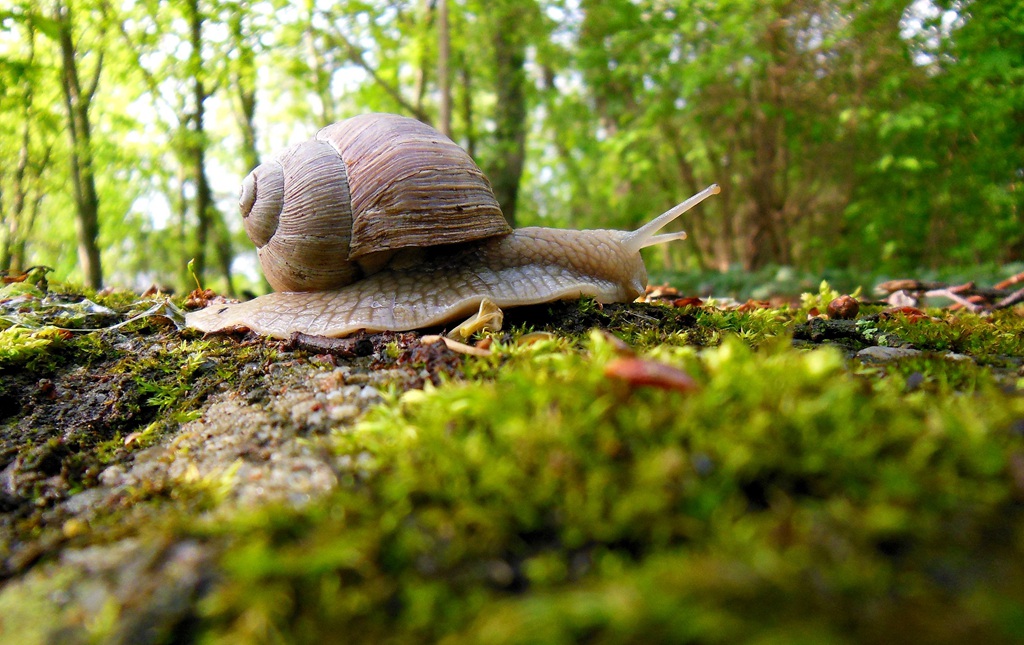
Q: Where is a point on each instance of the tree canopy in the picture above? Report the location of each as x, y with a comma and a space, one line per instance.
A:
843, 132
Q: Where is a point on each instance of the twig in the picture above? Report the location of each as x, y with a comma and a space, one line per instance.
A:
1010, 300
966, 289
962, 288
955, 297
341, 347
1012, 280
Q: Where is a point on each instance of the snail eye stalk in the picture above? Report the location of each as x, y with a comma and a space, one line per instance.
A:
646, 236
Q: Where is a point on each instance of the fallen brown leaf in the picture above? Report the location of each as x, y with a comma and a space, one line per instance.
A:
913, 314
690, 301
751, 305
661, 291
637, 372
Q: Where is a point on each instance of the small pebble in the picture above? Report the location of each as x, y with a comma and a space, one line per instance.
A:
878, 353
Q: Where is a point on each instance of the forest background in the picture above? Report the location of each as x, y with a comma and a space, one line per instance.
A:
876, 136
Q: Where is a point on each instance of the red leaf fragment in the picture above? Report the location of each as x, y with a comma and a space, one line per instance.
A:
691, 301
751, 305
913, 314
637, 372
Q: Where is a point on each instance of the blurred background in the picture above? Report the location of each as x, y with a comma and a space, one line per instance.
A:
850, 138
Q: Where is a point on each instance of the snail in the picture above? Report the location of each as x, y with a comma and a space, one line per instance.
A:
382, 223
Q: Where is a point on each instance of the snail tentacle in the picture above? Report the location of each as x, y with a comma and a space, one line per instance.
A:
645, 236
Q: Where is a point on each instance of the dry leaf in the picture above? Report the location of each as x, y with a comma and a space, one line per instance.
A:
751, 305
688, 302
638, 371
913, 314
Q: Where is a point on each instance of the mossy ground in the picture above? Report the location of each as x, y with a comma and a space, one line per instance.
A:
151, 482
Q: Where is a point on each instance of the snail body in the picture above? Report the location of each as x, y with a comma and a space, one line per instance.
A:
404, 268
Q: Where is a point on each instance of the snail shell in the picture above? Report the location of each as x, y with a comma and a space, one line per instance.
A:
333, 209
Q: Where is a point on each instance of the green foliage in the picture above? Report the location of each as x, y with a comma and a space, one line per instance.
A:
820, 300
651, 325
784, 500
910, 162
754, 327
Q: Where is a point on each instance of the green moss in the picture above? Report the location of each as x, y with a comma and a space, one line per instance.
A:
18, 346
786, 499
649, 325
932, 373
1000, 334
819, 300
24, 601
753, 327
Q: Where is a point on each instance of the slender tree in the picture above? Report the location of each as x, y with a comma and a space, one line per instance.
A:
444, 118
20, 202
242, 67
207, 216
508, 21
202, 231
78, 98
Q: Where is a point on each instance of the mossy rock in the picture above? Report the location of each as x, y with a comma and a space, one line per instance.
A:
162, 487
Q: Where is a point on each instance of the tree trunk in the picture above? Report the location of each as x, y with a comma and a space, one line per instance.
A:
767, 242
77, 100
197, 149
466, 76
444, 118
509, 45
321, 83
12, 237
206, 213
5, 236
10, 258
244, 79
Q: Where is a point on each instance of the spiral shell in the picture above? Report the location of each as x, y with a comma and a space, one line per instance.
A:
330, 210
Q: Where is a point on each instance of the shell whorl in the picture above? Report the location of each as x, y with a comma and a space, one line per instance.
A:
328, 210
304, 245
